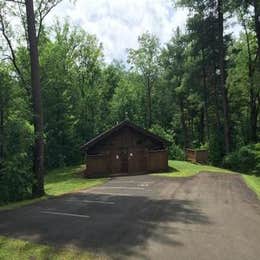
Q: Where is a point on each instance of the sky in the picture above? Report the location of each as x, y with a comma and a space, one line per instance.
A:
118, 23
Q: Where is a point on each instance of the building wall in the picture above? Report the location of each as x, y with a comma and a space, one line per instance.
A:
199, 156
158, 161
126, 151
141, 161
96, 165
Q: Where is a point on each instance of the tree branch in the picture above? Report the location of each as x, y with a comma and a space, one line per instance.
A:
12, 57
43, 12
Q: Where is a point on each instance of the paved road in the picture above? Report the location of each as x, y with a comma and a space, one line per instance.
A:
208, 216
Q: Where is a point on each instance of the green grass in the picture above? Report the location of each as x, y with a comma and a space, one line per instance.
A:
66, 180
13, 249
187, 169
253, 182
58, 182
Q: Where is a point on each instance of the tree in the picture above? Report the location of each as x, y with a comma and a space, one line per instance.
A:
145, 61
38, 162
29, 18
214, 11
173, 61
221, 49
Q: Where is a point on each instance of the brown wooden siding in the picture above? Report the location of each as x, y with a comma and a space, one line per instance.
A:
126, 152
199, 156
158, 161
127, 162
96, 164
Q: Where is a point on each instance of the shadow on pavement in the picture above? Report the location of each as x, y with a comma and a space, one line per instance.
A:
113, 229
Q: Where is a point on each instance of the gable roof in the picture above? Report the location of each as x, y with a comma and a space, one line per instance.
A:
125, 123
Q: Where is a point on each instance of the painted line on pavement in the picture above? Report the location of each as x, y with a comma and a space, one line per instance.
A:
109, 193
122, 188
92, 201
64, 214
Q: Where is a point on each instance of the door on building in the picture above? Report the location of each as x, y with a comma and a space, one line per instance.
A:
124, 161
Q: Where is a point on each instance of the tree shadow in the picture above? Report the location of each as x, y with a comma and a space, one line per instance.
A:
115, 228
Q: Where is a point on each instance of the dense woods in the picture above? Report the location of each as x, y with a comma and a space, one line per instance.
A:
200, 89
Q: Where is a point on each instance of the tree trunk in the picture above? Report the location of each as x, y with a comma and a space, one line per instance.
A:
222, 76
253, 100
205, 96
253, 117
149, 103
255, 109
216, 99
183, 124
256, 4
38, 161
202, 126
1, 137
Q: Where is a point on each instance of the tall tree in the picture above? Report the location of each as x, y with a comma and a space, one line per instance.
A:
145, 60
221, 49
38, 162
256, 99
173, 61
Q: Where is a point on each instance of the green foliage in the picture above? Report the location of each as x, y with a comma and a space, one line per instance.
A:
16, 179
175, 90
216, 148
16, 137
246, 159
175, 152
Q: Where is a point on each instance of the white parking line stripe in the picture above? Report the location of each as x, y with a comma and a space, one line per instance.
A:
135, 182
122, 188
92, 201
64, 214
143, 185
122, 181
110, 193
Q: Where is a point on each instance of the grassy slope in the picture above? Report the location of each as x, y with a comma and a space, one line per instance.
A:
65, 180
59, 182
253, 182
186, 169
13, 249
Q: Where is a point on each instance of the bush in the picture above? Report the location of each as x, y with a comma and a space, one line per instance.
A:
246, 159
15, 179
216, 151
175, 152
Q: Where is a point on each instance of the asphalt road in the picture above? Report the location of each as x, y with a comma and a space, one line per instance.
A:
209, 216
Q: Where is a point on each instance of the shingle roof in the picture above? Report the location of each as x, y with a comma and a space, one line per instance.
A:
124, 123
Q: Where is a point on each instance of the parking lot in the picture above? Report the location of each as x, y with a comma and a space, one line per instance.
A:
148, 217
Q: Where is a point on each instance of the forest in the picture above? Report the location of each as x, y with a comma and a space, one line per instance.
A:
201, 89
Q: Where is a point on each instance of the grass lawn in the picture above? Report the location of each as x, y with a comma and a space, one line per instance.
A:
61, 181
186, 169
13, 249
253, 182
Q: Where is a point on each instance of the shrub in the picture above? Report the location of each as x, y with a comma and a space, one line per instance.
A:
246, 159
175, 152
15, 179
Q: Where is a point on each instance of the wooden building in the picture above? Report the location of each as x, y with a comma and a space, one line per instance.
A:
125, 149
197, 155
